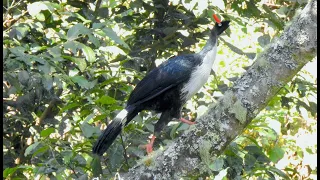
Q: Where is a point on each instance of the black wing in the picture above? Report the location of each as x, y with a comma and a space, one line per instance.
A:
169, 74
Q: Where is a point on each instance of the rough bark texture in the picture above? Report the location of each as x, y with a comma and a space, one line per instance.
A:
275, 67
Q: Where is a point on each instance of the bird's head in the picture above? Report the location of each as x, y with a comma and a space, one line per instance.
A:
220, 26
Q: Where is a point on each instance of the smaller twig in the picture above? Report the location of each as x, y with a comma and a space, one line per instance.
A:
124, 150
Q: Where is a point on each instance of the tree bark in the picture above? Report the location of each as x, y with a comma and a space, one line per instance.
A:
273, 68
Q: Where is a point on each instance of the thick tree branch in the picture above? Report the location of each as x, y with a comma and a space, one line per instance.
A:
275, 67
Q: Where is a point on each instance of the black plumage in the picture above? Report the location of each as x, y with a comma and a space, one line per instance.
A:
165, 89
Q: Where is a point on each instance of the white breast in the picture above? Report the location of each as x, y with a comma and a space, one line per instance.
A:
200, 74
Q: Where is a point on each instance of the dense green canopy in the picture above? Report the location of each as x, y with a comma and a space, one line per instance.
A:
69, 67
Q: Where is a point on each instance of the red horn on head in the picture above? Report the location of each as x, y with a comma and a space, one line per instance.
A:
215, 17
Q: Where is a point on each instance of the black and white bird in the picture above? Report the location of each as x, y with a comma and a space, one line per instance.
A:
166, 89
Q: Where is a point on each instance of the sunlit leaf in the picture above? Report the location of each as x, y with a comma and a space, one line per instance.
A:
36, 7
222, 175
89, 53
9, 171
40, 16
46, 132
106, 100
276, 154
112, 35
112, 49
31, 148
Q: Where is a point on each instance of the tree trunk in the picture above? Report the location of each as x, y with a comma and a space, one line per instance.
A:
275, 67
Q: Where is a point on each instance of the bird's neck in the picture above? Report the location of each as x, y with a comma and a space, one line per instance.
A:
208, 52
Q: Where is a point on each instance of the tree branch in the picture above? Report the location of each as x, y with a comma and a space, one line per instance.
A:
275, 67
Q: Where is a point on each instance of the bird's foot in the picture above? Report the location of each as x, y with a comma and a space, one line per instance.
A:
149, 146
186, 121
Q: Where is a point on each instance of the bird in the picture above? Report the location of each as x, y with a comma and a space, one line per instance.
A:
165, 90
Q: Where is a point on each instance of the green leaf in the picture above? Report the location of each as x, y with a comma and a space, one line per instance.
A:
69, 106
31, 148
72, 45
170, 30
82, 82
47, 82
40, 150
18, 51
83, 177
96, 166
276, 154
22, 31
88, 53
4, 53
47, 132
94, 40
112, 49
150, 127
251, 139
67, 155
280, 173
80, 62
112, 35
106, 100
76, 30
54, 51
183, 126
9, 171
99, 117
40, 16
23, 77
116, 155
217, 165
257, 153
80, 159
273, 17
249, 161
98, 26
88, 130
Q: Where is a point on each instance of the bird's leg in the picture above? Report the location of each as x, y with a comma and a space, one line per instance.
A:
149, 146
186, 121
158, 127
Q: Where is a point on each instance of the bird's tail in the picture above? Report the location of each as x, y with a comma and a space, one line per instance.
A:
110, 134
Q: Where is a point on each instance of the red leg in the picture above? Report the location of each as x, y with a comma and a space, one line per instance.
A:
149, 146
186, 121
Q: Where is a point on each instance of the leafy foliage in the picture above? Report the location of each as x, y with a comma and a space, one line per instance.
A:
69, 67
